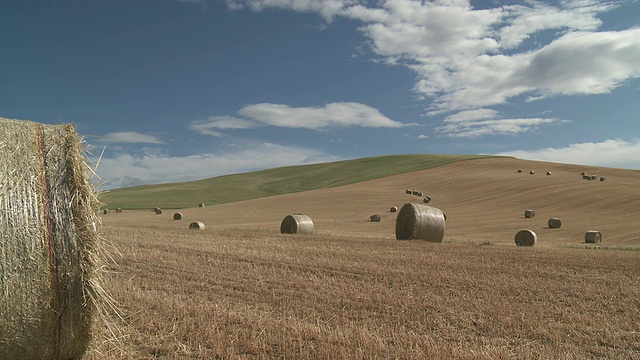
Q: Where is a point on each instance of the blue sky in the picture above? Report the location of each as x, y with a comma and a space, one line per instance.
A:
176, 90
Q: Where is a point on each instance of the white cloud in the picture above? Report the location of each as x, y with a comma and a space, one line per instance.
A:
476, 128
154, 167
611, 153
129, 137
340, 115
467, 58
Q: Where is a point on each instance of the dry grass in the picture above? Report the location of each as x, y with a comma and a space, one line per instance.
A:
241, 290
258, 294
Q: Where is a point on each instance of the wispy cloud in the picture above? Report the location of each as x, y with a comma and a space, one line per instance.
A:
336, 115
468, 58
481, 122
129, 137
155, 167
612, 153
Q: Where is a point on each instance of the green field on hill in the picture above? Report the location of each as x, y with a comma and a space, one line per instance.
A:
284, 180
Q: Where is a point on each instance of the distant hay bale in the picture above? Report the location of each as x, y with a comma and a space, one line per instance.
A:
593, 177
532, 172
426, 200
375, 218
155, 209
586, 177
177, 216
548, 172
421, 222
529, 214
583, 173
526, 238
158, 211
49, 245
119, 210
519, 170
393, 209
554, 223
593, 237
409, 191
196, 225
201, 205
105, 211
602, 178
296, 224
417, 193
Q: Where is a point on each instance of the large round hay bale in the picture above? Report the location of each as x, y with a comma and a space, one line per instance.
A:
49, 267
296, 224
602, 178
118, 210
177, 216
426, 200
375, 218
158, 211
593, 237
196, 225
529, 214
201, 205
519, 170
526, 238
393, 209
421, 222
554, 223
408, 191
548, 172
105, 211
532, 172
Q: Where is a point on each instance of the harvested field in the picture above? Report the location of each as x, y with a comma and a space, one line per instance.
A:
240, 289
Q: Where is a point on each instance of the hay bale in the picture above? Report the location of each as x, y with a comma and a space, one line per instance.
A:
529, 214
602, 178
408, 191
196, 225
593, 177
583, 174
296, 224
593, 237
177, 216
375, 218
155, 209
554, 223
416, 192
532, 172
519, 170
393, 209
548, 172
49, 245
201, 205
105, 211
426, 200
526, 238
158, 211
422, 222
586, 177
118, 210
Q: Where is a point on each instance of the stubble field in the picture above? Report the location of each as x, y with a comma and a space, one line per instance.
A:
240, 289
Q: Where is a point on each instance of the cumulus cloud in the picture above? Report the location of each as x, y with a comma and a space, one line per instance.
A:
155, 167
611, 153
468, 58
129, 137
339, 115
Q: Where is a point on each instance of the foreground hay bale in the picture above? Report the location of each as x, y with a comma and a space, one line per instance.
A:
526, 237
296, 224
593, 237
177, 216
529, 214
554, 223
49, 278
375, 218
393, 209
196, 225
421, 222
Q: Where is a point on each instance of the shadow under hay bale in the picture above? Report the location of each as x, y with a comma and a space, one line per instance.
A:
177, 216
49, 246
593, 237
196, 225
554, 223
296, 224
375, 218
393, 209
526, 238
420, 222
529, 214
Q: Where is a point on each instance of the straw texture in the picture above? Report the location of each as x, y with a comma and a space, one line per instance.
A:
296, 224
419, 221
48, 240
